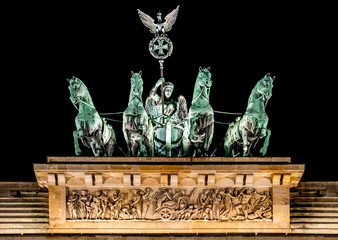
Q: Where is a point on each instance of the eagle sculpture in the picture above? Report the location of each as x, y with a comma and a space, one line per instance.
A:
159, 27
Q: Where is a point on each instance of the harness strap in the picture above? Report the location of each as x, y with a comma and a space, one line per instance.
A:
89, 105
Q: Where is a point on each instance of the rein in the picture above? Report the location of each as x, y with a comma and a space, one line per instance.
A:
135, 97
85, 103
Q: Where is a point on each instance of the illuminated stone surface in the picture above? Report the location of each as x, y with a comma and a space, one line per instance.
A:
179, 196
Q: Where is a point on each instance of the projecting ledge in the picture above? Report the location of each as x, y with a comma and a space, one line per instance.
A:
193, 172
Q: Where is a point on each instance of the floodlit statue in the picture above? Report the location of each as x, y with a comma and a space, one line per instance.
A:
200, 131
137, 127
94, 131
169, 125
252, 126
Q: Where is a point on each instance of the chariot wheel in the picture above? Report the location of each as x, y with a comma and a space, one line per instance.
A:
166, 214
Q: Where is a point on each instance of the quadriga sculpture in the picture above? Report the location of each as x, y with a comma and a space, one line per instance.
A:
252, 126
200, 130
137, 128
94, 131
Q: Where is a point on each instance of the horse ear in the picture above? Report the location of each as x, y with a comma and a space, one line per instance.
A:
68, 80
267, 75
200, 68
132, 73
140, 73
208, 68
273, 78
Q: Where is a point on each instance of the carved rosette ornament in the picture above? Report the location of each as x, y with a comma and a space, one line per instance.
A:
170, 204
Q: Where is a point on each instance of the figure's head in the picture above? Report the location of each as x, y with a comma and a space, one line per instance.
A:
204, 76
136, 83
168, 89
265, 85
182, 205
76, 89
84, 192
74, 192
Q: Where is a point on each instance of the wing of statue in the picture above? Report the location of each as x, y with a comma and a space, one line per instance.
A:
182, 108
170, 19
148, 21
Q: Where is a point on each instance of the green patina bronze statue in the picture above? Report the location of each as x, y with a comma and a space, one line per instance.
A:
169, 124
164, 126
94, 131
200, 129
252, 126
137, 127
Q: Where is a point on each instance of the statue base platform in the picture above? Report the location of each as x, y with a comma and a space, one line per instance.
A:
168, 195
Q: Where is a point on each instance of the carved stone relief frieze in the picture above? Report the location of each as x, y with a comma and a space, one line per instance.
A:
169, 204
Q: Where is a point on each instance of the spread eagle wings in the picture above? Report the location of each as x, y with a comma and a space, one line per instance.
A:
170, 19
149, 22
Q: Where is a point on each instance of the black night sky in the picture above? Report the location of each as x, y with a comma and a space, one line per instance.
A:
43, 44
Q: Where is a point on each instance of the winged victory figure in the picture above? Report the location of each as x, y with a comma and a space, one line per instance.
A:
159, 27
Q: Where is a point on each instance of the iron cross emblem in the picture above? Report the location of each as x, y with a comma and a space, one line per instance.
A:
161, 47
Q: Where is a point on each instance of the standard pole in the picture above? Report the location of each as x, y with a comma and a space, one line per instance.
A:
162, 95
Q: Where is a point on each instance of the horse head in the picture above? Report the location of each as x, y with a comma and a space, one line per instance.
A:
77, 89
264, 86
136, 89
204, 77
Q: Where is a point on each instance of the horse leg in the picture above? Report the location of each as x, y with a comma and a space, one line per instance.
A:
93, 144
246, 144
185, 147
148, 146
266, 143
76, 143
134, 149
209, 132
129, 146
109, 147
227, 146
99, 146
143, 146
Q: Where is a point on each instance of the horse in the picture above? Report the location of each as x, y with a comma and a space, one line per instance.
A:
94, 131
137, 127
200, 128
252, 126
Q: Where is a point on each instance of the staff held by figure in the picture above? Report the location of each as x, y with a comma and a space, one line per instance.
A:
160, 47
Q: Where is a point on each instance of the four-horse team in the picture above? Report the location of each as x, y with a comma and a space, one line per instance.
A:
165, 127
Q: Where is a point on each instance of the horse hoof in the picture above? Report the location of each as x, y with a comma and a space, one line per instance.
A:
262, 152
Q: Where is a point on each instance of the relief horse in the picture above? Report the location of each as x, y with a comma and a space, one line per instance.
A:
94, 131
137, 127
200, 128
252, 126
